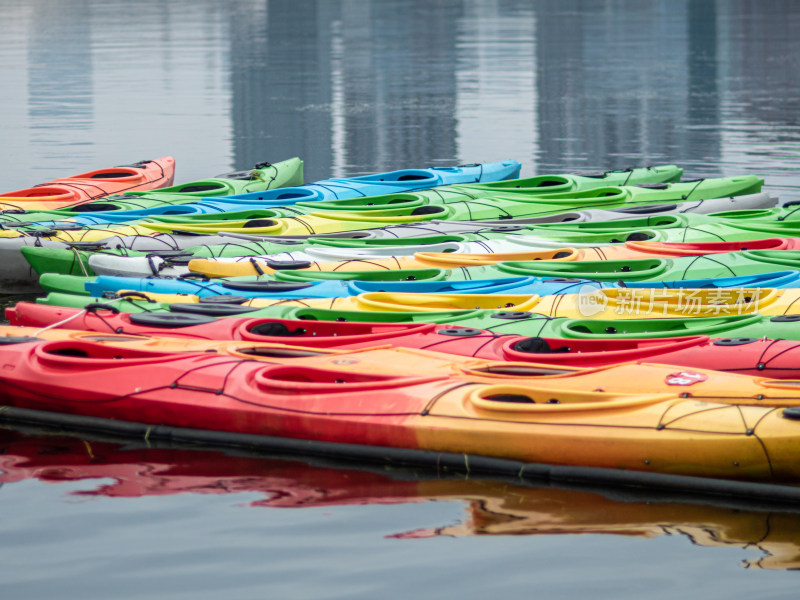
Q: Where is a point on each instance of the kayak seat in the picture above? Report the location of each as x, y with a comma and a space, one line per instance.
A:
259, 223
94, 207
653, 186
204, 187
211, 310
648, 208
266, 286
285, 265
633, 237
514, 398
222, 299
275, 329
537, 345
168, 321
70, 352
427, 210
110, 175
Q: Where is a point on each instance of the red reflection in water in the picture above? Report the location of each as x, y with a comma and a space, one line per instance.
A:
492, 507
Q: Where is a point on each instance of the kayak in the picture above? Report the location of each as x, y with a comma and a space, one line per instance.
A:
745, 356
623, 255
678, 228
708, 206
607, 196
602, 304
170, 261
250, 288
179, 263
610, 364
720, 433
84, 187
136, 313
606, 303
259, 190
650, 270
317, 217
438, 283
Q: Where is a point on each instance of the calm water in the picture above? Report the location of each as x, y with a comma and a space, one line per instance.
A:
355, 87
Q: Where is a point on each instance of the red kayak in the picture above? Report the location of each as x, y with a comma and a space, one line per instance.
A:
668, 249
746, 356
69, 191
779, 359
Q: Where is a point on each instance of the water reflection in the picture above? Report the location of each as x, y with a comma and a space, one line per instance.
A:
356, 87
492, 507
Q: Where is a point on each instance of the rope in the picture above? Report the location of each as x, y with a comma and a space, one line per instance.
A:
59, 323
80, 262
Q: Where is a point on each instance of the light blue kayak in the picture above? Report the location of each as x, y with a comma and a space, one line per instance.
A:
543, 286
335, 288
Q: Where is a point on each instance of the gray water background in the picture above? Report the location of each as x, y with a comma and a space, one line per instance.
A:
355, 87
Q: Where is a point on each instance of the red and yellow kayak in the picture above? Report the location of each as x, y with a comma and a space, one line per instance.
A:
84, 187
693, 423
779, 359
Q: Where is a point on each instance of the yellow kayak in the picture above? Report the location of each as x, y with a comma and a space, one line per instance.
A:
89, 233
609, 303
315, 222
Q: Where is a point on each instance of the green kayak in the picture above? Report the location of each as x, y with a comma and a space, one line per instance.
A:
74, 259
521, 323
705, 268
376, 211
607, 196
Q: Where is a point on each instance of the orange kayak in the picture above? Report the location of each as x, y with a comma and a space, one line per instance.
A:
84, 187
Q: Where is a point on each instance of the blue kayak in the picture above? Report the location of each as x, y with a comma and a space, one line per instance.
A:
337, 288
405, 180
